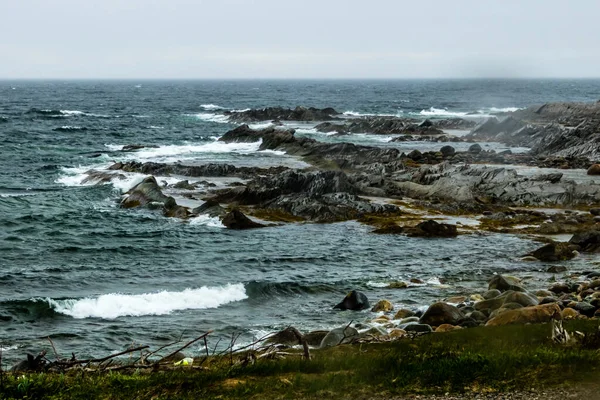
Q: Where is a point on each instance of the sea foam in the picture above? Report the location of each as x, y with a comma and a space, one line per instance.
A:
115, 305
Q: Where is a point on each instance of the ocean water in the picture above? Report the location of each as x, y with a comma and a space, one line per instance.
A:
95, 278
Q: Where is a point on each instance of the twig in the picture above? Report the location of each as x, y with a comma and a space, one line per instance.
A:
100, 360
54, 349
347, 326
186, 345
206, 346
144, 359
215, 348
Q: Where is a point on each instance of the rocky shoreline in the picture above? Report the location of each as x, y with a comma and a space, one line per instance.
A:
412, 194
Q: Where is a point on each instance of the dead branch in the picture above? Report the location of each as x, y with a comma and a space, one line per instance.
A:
54, 349
302, 341
100, 360
186, 345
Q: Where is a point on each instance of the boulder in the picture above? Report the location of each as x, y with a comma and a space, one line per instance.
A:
383, 305
536, 314
315, 338
211, 208
339, 336
447, 151
403, 313
475, 148
397, 333
419, 328
594, 169
491, 294
569, 313
504, 283
143, 194
554, 252
355, 301
431, 228
585, 308
442, 313
237, 220
397, 285
522, 298
587, 241
285, 337
447, 328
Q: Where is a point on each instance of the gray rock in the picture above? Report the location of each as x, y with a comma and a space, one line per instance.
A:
338, 336
442, 313
421, 328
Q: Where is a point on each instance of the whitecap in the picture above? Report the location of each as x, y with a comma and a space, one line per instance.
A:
503, 110
210, 117
441, 112
205, 220
259, 126
115, 305
210, 107
186, 149
71, 112
9, 348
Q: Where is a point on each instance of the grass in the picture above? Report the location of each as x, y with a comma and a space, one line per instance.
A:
498, 359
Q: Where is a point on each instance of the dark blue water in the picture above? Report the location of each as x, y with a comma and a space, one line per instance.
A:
96, 278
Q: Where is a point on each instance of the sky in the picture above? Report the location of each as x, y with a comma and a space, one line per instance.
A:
324, 39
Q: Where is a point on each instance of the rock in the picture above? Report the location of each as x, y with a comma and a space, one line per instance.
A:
594, 170
237, 220
175, 357
339, 336
476, 297
315, 338
382, 319
403, 313
522, 298
417, 281
133, 147
442, 313
447, 151
595, 211
383, 305
587, 241
426, 123
569, 313
543, 293
397, 333
184, 185
211, 208
456, 299
431, 228
398, 285
285, 337
491, 294
478, 316
355, 301
555, 269
560, 288
554, 252
548, 300
585, 308
536, 314
419, 328
446, 328
504, 283
282, 114
146, 193
475, 148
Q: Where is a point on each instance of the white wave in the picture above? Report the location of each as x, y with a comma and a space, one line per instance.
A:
378, 284
156, 127
441, 112
76, 176
6, 195
502, 110
274, 152
114, 305
9, 348
359, 114
210, 117
242, 110
205, 220
72, 112
262, 125
178, 150
114, 147
210, 107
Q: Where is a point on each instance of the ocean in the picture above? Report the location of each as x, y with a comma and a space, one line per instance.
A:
96, 278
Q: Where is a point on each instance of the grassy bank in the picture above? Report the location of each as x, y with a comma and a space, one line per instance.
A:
498, 359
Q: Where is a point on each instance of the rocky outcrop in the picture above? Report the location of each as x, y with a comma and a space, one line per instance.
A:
554, 252
144, 193
237, 220
432, 229
283, 114
380, 125
206, 170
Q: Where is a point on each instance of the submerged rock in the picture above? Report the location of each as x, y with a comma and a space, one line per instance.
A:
383, 305
144, 193
554, 252
431, 228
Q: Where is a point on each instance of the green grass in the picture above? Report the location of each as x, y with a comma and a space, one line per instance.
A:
498, 359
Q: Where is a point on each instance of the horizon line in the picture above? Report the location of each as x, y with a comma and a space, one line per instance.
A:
297, 79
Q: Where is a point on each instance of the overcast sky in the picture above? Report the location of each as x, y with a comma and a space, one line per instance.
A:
299, 38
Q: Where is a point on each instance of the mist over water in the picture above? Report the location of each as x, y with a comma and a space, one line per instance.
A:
95, 277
